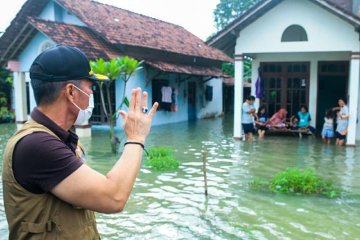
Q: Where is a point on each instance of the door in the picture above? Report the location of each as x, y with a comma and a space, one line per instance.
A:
332, 85
285, 85
191, 100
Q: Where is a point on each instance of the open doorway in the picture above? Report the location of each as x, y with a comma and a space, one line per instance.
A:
191, 100
332, 85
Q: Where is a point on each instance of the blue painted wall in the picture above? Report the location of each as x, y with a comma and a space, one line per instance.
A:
203, 108
31, 51
49, 14
27, 57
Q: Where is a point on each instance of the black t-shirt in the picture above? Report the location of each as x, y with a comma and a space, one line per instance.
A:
41, 161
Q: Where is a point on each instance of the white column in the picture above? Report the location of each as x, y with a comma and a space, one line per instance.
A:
358, 120
353, 97
238, 98
83, 130
32, 103
313, 91
20, 98
254, 75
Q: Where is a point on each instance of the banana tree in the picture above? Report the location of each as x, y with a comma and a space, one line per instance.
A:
117, 68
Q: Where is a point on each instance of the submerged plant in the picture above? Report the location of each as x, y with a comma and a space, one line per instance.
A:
161, 159
295, 180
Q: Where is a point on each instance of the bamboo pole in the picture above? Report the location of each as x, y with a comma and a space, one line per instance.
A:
204, 169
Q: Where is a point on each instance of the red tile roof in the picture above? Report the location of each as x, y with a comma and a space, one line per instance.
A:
186, 69
17, 26
120, 26
80, 37
343, 4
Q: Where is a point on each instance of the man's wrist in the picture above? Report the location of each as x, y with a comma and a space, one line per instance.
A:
136, 143
142, 141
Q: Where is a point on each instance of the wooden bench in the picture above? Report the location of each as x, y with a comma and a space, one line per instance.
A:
287, 131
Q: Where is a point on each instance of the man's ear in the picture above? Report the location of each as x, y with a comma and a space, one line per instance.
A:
69, 90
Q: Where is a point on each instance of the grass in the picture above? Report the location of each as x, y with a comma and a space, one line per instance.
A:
295, 180
161, 159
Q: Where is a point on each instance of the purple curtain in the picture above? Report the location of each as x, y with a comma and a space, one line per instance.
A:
258, 90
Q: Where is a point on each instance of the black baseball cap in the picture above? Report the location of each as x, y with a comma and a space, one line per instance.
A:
63, 63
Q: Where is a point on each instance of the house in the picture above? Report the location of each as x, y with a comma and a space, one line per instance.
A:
175, 60
308, 52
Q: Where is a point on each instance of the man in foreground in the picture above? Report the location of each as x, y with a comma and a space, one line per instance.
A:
49, 193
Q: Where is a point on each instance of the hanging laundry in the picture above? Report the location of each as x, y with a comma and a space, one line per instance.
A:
166, 92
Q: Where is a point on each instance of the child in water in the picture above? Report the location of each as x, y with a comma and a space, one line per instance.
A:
261, 120
328, 128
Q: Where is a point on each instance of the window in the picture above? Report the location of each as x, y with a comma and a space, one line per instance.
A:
98, 116
294, 33
46, 45
157, 85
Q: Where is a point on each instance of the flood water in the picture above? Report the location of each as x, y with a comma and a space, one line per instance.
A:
172, 205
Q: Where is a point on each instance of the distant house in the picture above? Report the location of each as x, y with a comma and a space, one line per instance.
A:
175, 61
308, 52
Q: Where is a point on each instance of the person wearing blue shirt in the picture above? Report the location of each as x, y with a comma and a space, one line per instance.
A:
305, 119
248, 114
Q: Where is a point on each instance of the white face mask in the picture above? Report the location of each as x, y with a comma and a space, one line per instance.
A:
84, 115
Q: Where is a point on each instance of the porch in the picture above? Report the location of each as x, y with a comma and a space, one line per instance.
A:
316, 79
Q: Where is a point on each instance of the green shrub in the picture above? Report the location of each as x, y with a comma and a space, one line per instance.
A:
294, 180
5, 115
161, 159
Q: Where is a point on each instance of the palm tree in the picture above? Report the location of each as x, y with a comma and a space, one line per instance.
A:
117, 68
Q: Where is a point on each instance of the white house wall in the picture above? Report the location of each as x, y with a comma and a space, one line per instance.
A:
325, 31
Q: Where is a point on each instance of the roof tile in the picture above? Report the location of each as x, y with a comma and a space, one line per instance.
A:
80, 37
120, 26
186, 69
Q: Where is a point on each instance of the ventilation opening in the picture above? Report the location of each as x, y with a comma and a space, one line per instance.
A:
294, 33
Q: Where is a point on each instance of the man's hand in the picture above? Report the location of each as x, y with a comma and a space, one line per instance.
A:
136, 123
86, 188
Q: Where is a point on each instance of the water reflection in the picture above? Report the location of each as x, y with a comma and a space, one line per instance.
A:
172, 205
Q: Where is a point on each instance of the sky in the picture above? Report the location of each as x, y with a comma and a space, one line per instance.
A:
195, 16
